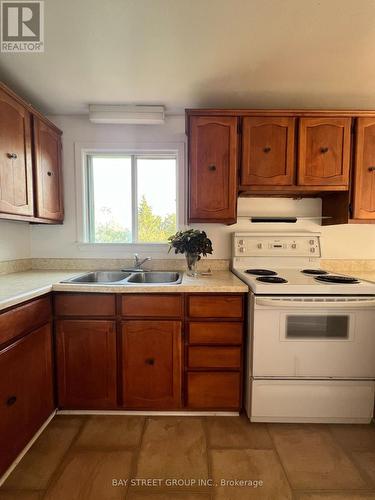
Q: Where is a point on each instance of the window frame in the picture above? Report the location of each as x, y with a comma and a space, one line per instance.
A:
83, 151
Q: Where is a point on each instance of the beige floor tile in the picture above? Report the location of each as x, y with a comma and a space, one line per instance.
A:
349, 495
254, 465
366, 461
111, 431
37, 466
168, 495
88, 475
20, 495
237, 432
173, 448
355, 437
313, 460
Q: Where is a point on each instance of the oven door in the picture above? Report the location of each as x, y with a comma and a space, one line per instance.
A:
313, 337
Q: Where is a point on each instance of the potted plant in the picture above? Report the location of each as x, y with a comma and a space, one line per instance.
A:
193, 243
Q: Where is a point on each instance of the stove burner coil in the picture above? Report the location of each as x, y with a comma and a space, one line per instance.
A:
272, 279
261, 272
337, 279
313, 272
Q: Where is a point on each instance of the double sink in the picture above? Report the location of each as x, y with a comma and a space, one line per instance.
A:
127, 278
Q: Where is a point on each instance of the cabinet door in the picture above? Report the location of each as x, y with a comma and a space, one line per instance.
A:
267, 151
364, 170
324, 151
152, 364
49, 200
26, 392
213, 151
86, 364
16, 190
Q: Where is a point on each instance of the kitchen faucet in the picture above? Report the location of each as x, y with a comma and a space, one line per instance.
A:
138, 263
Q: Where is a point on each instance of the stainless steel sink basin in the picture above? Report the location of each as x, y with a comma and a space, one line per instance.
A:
100, 277
127, 278
152, 277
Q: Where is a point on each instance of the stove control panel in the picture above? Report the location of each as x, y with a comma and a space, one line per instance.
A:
255, 245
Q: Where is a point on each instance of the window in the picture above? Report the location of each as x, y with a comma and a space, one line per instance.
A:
131, 198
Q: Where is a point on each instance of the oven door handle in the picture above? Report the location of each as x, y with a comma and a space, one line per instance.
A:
354, 304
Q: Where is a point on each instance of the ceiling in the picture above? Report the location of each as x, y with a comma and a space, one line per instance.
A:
200, 53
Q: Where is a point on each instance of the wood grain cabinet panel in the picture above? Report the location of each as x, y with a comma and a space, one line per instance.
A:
24, 318
214, 390
48, 172
152, 305
267, 151
324, 151
210, 332
26, 392
214, 357
84, 304
215, 306
86, 364
213, 158
16, 183
364, 170
152, 364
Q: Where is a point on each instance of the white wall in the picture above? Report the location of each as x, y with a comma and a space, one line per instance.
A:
14, 240
345, 242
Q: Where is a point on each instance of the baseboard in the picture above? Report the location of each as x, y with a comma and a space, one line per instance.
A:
151, 413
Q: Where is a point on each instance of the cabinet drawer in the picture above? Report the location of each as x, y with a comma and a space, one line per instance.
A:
24, 318
156, 306
215, 306
215, 332
214, 390
84, 304
214, 357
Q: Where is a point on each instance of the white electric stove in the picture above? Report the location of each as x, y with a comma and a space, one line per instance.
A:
311, 338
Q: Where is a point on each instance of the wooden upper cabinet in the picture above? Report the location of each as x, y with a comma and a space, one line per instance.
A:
364, 170
213, 159
151, 353
267, 151
324, 151
47, 168
16, 189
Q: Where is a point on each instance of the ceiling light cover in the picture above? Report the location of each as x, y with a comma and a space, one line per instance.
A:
126, 115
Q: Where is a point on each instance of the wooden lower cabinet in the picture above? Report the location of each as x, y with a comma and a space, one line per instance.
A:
152, 368
86, 364
26, 392
214, 390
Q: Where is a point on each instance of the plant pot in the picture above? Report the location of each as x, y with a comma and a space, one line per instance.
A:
191, 261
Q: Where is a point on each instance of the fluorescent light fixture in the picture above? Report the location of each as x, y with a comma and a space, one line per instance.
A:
129, 115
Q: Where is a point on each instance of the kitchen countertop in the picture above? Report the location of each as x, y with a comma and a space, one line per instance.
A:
16, 288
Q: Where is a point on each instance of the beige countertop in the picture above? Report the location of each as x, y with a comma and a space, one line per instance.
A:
19, 287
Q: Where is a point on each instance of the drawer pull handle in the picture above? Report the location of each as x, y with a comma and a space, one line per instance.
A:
371, 169
49, 174
12, 156
324, 150
11, 400
267, 149
212, 168
150, 361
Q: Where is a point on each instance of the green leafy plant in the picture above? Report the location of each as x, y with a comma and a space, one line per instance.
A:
191, 241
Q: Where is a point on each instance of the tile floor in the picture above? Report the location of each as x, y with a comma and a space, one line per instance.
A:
79, 457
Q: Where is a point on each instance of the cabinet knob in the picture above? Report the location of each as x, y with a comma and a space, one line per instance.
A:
49, 174
11, 400
371, 169
13, 156
212, 168
150, 361
267, 149
324, 150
